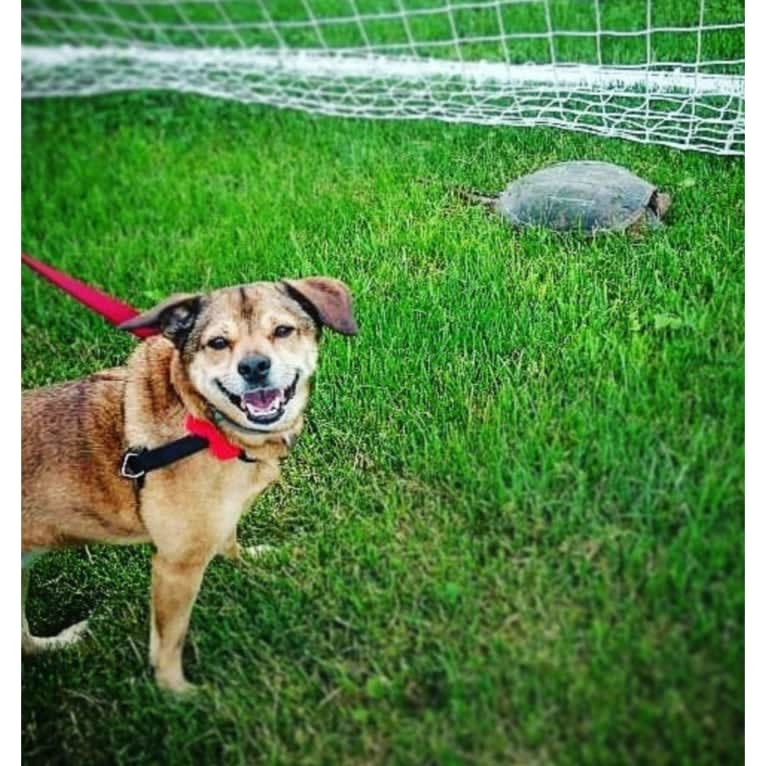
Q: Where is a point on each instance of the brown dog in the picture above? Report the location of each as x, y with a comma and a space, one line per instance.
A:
238, 359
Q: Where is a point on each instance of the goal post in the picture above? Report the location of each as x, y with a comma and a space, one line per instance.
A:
657, 71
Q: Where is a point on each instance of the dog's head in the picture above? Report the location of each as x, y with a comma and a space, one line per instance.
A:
250, 351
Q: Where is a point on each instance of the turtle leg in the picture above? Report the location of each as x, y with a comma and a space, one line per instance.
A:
650, 219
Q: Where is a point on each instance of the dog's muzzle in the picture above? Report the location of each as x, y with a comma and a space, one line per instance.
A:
262, 406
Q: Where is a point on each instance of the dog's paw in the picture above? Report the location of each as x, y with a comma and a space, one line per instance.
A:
240, 554
256, 551
185, 689
175, 685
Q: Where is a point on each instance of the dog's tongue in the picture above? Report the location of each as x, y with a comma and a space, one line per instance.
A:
261, 399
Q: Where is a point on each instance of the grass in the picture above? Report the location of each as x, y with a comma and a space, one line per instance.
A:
513, 532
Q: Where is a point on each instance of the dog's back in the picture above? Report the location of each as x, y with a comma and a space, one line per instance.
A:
71, 449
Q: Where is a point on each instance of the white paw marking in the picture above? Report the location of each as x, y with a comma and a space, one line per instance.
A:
256, 551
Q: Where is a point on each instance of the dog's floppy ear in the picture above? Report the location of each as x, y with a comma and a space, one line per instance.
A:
175, 316
327, 300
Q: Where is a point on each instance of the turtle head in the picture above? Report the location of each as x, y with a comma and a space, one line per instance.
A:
660, 203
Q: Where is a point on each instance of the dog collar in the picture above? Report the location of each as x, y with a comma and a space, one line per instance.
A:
220, 447
203, 434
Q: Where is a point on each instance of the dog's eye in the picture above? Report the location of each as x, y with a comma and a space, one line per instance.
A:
218, 343
282, 331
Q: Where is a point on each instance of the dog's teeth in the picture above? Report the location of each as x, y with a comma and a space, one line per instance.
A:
255, 411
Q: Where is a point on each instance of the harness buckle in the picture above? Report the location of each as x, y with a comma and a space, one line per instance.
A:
131, 473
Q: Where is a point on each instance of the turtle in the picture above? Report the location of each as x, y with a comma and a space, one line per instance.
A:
587, 196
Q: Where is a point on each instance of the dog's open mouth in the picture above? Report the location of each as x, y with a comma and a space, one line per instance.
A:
262, 405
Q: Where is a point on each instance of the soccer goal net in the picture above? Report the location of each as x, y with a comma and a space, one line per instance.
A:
658, 71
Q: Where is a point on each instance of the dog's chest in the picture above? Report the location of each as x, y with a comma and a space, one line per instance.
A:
204, 494
231, 483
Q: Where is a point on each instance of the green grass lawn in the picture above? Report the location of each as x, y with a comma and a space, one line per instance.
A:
513, 530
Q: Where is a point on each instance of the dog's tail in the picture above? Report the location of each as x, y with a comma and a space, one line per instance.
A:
475, 198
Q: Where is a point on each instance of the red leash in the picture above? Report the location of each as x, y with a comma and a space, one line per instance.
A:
111, 309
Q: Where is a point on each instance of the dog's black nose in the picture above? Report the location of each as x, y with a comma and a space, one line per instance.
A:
255, 368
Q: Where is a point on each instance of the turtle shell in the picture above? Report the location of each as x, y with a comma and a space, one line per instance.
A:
586, 196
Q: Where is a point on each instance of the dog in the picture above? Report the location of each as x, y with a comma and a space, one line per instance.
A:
236, 363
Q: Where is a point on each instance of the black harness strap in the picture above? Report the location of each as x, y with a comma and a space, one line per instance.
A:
136, 463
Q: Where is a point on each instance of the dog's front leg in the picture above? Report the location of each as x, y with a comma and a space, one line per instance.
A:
175, 584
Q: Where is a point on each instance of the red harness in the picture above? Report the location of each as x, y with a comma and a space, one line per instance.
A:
116, 312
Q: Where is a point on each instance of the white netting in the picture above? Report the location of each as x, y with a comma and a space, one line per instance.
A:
659, 71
